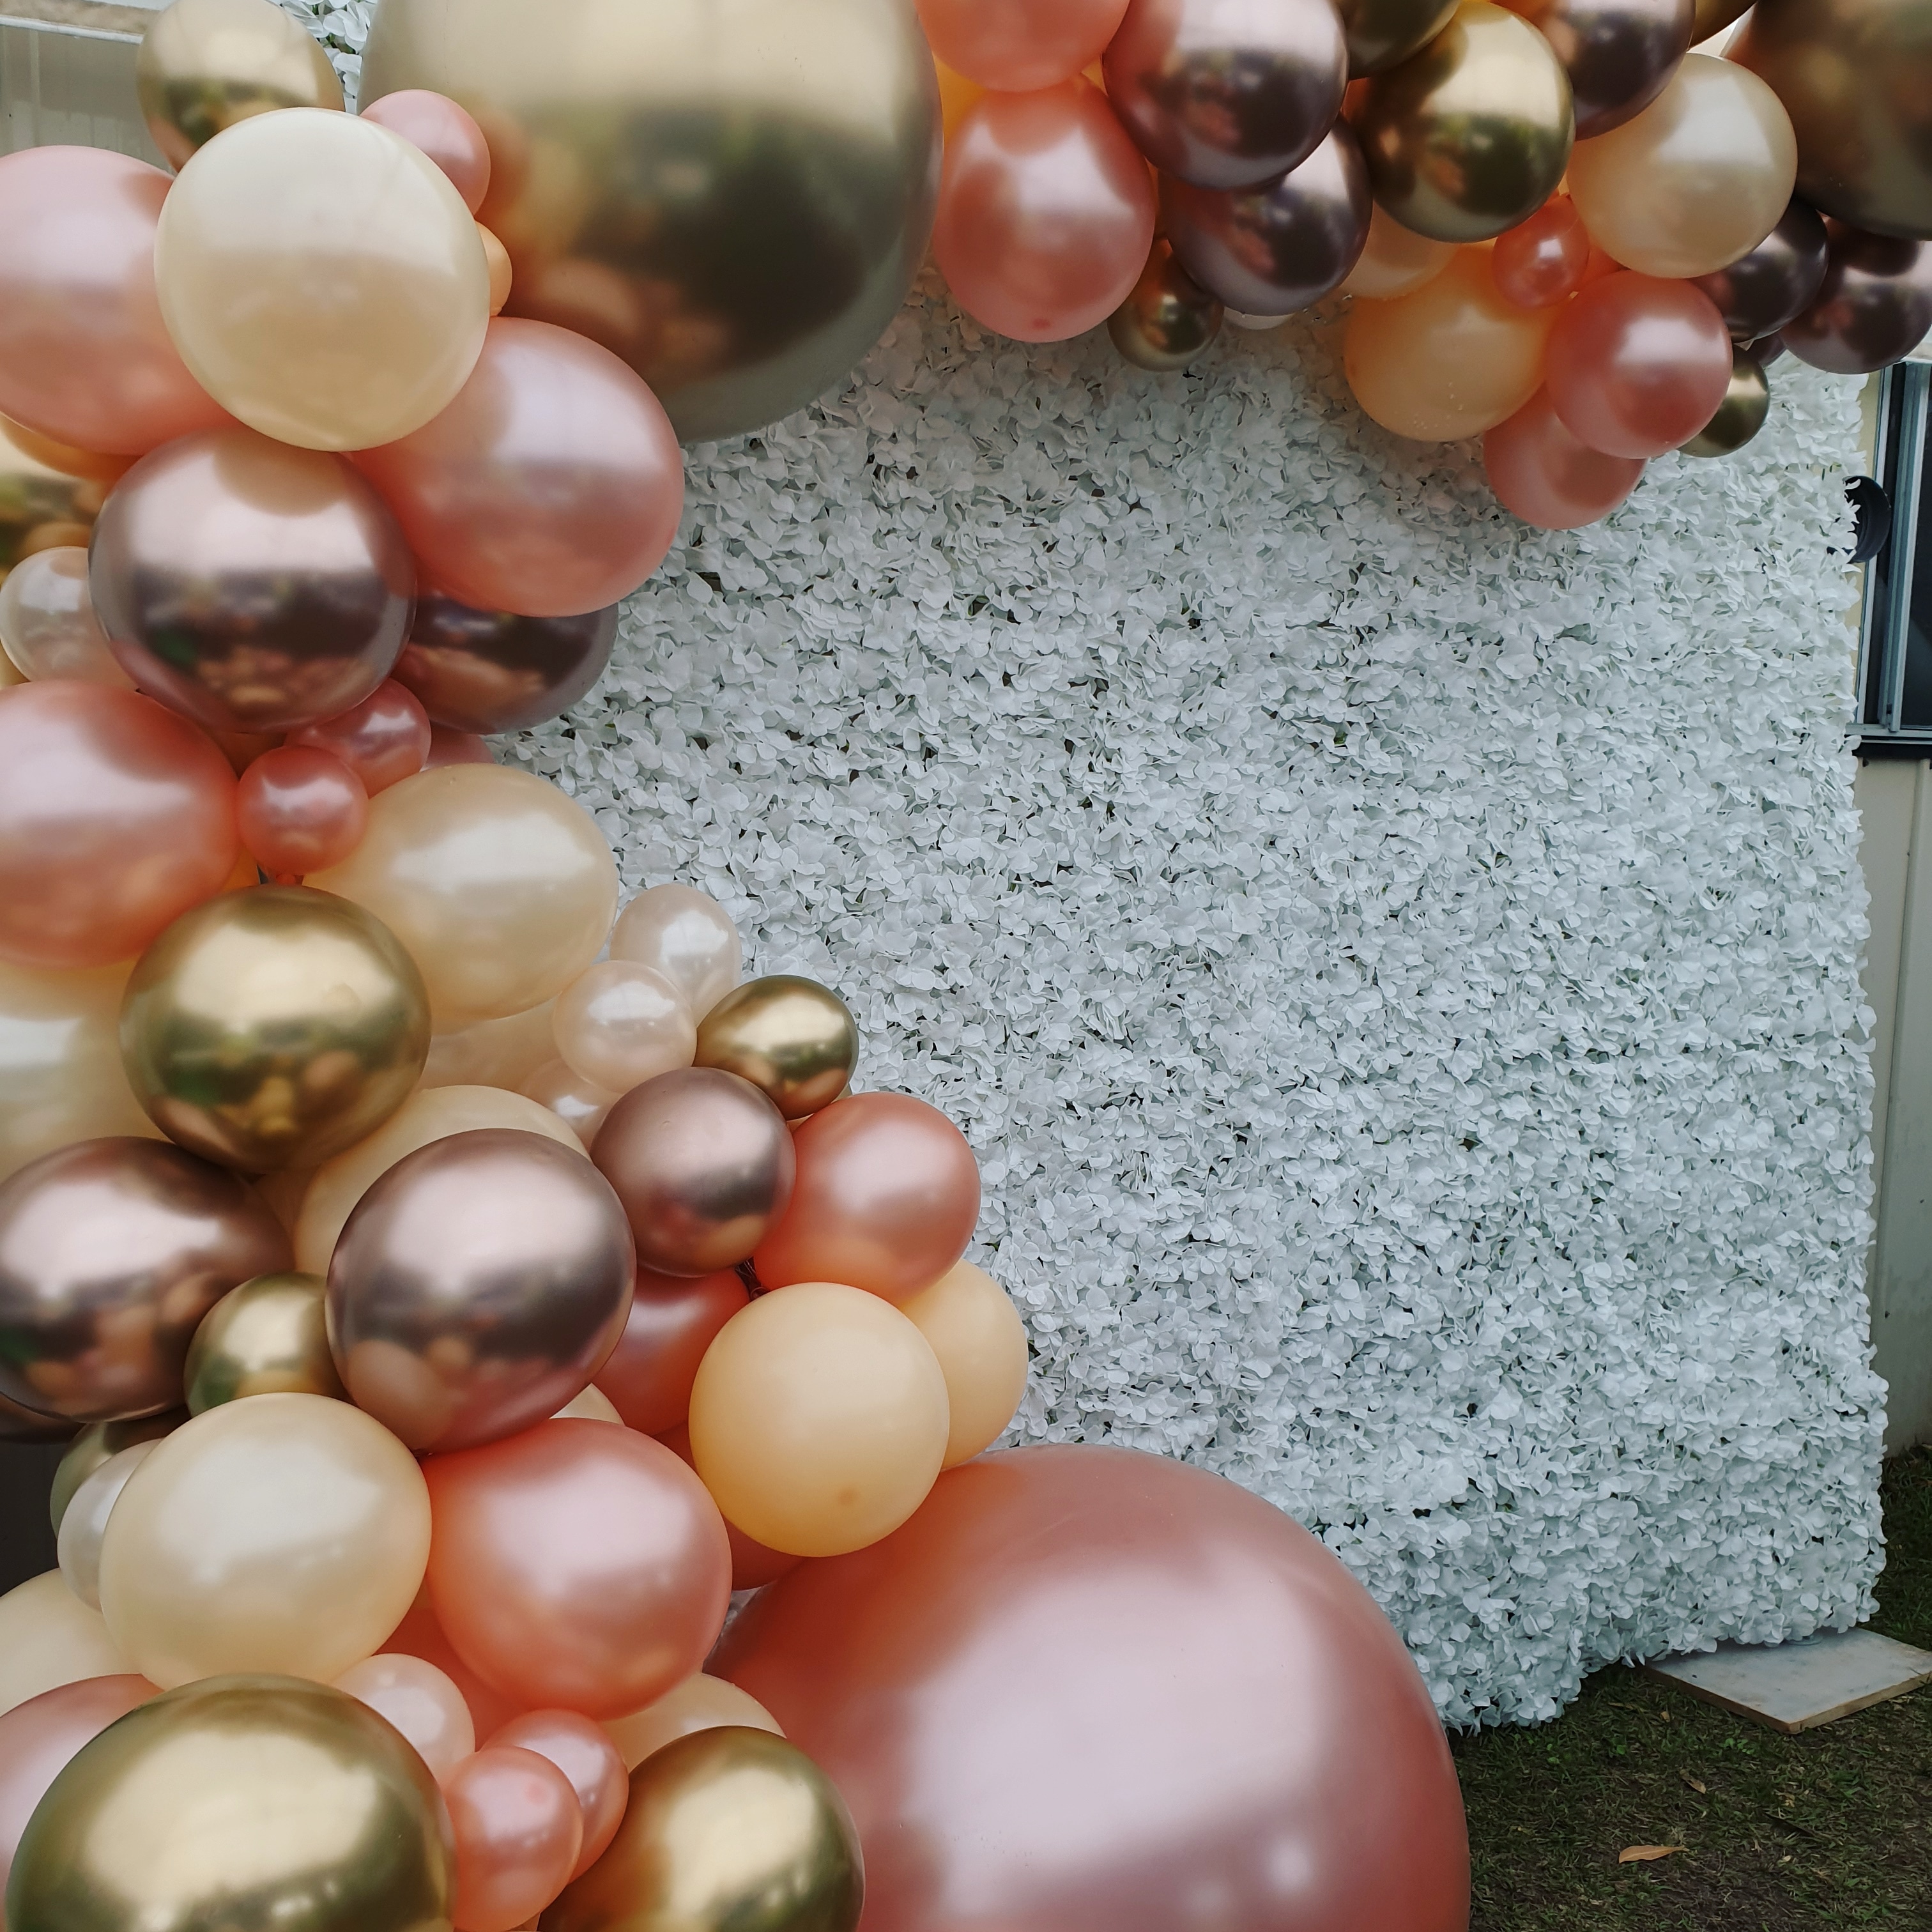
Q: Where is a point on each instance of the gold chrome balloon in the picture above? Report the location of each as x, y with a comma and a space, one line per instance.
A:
269, 1336
1381, 33
733, 197
98, 1443
205, 64
274, 1028
1740, 415
727, 1830
50, 494
239, 1801
793, 1038
1469, 136
1713, 17
1167, 318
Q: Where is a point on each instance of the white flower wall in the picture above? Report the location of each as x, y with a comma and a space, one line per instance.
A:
1398, 970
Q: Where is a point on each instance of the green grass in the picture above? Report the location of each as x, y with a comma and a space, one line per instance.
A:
1825, 1832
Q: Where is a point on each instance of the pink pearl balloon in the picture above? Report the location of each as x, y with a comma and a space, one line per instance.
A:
583, 1751
423, 1702
1542, 259
115, 816
1018, 45
517, 1829
84, 355
444, 131
1635, 366
300, 810
552, 485
383, 738
1543, 476
420, 1635
455, 748
1046, 212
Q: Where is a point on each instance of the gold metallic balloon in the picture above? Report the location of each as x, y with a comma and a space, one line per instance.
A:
50, 494
1740, 415
1471, 136
1167, 318
239, 1801
268, 1337
205, 64
1713, 17
792, 1039
98, 1443
1381, 33
274, 1028
732, 195
727, 1830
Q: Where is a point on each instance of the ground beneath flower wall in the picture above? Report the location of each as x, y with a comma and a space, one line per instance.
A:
1825, 1832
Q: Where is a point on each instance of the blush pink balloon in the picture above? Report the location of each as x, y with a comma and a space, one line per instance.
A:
1018, 45
1542, 259
382, 739
425, 1704
300, 810
419, 1635
583, 1751
455, 748
1543, 476
886, 1194
674, 1319
517, 1828
552, 485
444, 131
1635, 366
84, 356
1046, 212
116, 815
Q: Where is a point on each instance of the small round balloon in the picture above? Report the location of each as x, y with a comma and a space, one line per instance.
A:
299, 811
584, 1752
618, 1023
794, 1040
1015, 45
99, 1443
1167, 318
1618, 54
1543, 475
422, 1702
698, 1704
1777, 281
1740, 415
84, 1523
518, 1831
492, 670
1542, 260
383, 740
445, 131
47, 625
581, 1104
673, 1320
1874, 306
50, 494
686, 935
269, 1336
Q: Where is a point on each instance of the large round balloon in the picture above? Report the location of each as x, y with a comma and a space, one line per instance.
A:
111, 1251
494, 670
978, 1687
49, 1637
1874, 306
734, 200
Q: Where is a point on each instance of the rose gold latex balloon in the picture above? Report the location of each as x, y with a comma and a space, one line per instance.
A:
1759, 292
1542, 260
754, 1564
419, 1635
252, 586
584, 1752
686, 935
1542, 474
111, 1251
1393, 262
977, 1333
1381, 33
619, 1024
966, 1685
581, 1105
47, 626
1874, 306
115, 816
49, 1637
1018, 45
491, 671
577, 1565
553, 484
1617, 53
698, 1704
421, 1701
1272, 250
674, 1319
383, 740
703, 1165
299, 810
1636, 365
477, 1287
84, 357
517, 1831
448, 747
886, 1197
444, 132
1046, 212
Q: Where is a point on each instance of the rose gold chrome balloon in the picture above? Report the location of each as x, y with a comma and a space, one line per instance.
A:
1874, 306
982, 1688
253, 586
674, 1319
1167, 318
1759, 292
1380, 33
1740, 415
583, 1751
477, 1287
383, 740
794, 1040
1272, 250
703, 1165
491, 671
111, 1251
447, 134
1618, 54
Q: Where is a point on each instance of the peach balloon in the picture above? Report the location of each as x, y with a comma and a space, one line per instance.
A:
47, 625
1449, 361
1543, 476
886, 1198
422, 1702
299, 810
1016, 46
1636, 365
383, 740
584, 1753
419, 1635
444, 131
552, 485
688, 937
503, 273
697, 1704
818, 1420
115, 816
674, 1319
1542, 260
579, 1104
981, 1342
517, 1830
84, 355
1046, 212
754, 1564
1394, 261
501, 888
619, 1023
492, 1053
577, 1565
49, 1637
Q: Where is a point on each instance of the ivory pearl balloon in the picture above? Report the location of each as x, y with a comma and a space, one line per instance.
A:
583, 1750
673, 1320
299, 810
1541, 261
49, 1637
1016, 46
1544, 475
269, 1336
754, 1564
447, 132
96, 1445
579, 1104
421, 1701
419, 1635
698, 1704
1874, 306
687, 936
976, 1333
85, 1522
492, 670
618, 1023
383, 740
47, 625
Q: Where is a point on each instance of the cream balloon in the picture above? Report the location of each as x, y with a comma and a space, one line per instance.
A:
698, 1704
47, 625
590, 1404
500, 887
688, 937
421, 1701
619, 1024
84, 1522
287, 1533
579, 1104
1395, 260
430, 1114
368, 288
492, 1053
49, 1637
981, 1342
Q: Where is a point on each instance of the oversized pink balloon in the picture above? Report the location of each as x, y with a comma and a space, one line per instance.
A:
115, 816
300, 810
1543, 476
1635, 365
1085, 1690
552, 485
1046, 212
84, 356
1018, 45
444, 131
1542, 259
673, 1320
517, 1829
583, 1751
886, 1194
384, 739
